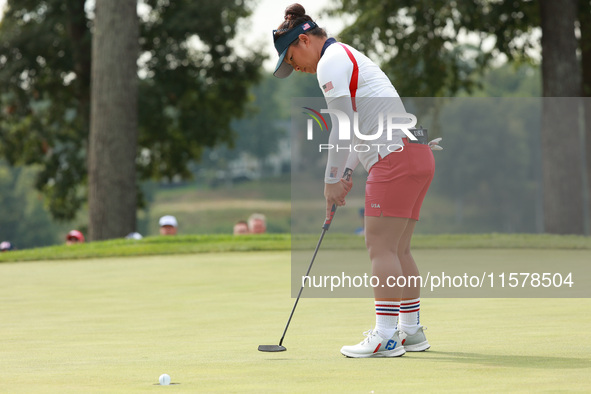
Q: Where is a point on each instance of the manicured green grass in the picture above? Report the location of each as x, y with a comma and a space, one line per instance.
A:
158, 245
460, 241
113, 325
183, 244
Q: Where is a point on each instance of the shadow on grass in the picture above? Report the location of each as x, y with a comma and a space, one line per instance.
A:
510, 360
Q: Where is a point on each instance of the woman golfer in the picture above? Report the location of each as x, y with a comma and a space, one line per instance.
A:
397, 182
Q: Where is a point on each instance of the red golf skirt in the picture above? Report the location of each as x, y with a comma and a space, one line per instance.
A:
397, 184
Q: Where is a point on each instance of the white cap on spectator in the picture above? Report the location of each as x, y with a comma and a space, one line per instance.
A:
168, 220
134, 235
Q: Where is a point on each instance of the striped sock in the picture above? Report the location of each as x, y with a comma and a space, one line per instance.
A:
410, 316
387, 317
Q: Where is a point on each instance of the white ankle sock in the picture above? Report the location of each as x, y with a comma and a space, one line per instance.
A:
387, 317
410, 316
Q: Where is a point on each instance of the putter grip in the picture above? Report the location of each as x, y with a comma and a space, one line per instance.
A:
347, 176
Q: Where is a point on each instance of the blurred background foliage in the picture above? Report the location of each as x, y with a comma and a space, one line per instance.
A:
193, 83
214, 125
205, 204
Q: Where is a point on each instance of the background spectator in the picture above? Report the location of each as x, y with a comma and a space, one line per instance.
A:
74, 237
168, 225
257, 223
241, 227
134, 235
5, 246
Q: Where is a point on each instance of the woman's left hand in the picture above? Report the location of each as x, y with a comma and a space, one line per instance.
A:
335, 194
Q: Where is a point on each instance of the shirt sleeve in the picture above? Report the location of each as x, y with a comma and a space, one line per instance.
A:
341, 154
334, 76
334, 73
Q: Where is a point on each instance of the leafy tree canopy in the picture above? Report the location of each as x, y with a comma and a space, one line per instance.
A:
437, 48
192, 84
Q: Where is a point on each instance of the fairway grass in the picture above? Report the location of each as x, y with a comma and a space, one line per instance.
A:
114, 325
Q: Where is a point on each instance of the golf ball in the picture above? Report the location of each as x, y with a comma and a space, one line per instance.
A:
164, 379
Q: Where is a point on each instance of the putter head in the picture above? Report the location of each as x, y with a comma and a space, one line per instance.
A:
271, 348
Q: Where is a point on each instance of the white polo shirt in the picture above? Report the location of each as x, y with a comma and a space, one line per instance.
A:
334, 72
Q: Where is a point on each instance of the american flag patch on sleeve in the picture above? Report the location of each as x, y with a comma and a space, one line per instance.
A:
327, 86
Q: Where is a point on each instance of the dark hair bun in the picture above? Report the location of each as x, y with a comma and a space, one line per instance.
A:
294, 11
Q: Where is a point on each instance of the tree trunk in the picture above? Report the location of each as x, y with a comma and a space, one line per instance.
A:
560, 139
585, 21
113, 127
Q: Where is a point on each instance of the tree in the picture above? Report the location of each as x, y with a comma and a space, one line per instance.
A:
12, 205
45, 96
192, 84
259, 134
195, 84
561, 76
418, 43
23, 221
423, 48
113, 127
585, 26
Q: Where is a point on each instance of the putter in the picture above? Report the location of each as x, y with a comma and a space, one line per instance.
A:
325, 227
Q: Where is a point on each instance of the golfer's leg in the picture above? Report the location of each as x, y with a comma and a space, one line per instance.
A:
409, 319
382, 235
411, 293
412, 289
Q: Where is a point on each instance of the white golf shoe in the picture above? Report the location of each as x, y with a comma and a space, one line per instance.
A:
416, 342
375, 346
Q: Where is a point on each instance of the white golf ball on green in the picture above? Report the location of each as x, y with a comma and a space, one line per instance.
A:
164, 379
